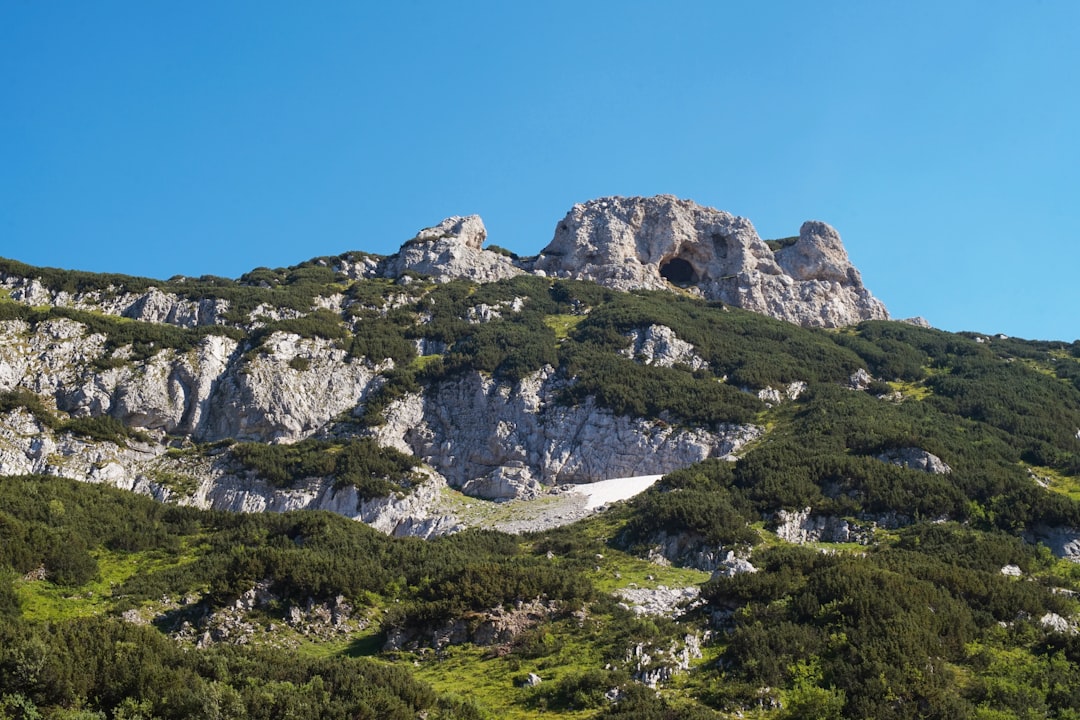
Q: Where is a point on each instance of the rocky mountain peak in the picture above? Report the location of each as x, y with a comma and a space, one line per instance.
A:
664, 243
451, 250
817, 254
469, 230
657, 242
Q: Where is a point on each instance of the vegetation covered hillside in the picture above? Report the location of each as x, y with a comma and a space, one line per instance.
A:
899, 540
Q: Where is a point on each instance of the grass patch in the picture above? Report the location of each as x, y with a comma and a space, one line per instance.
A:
488, 513
182, 485
562, 325
423, 361
493, 682
1068, 485
912, 390
619, 570
42, 600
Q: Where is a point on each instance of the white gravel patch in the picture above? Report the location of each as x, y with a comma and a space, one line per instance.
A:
604, 492
565, 504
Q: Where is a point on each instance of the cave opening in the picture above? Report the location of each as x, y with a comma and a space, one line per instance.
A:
679, 272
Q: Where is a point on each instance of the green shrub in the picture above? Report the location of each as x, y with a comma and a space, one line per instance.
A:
374, 470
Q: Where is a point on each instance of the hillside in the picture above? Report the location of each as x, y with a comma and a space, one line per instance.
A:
858, 518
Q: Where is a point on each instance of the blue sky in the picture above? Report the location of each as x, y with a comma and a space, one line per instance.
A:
942, 139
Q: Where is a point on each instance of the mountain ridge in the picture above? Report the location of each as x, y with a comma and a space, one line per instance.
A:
654, 243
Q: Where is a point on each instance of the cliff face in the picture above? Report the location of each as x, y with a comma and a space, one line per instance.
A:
499, 440
245, 374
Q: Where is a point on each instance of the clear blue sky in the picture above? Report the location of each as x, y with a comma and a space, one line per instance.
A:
942, 139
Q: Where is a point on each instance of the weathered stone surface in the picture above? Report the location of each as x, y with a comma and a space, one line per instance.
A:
27, 447
771, 396
153, 305
171, 391
860, 379
500, 440
1055, 623
916, 459
413, 514
801, 526
632, 243
157, 306
450, 250
661, 600
1064, 542
732, 566
494, 626
658, 345
273, 398
653, 665
686, 550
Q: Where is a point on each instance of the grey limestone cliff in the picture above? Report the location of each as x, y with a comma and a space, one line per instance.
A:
657, 242
500, 440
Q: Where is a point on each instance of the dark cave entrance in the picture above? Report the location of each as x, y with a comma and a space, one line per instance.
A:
678, 272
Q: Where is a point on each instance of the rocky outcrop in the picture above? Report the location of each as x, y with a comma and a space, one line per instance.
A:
771, 396
654, 243
653, 665
661, 600
658, 345
1064, 542
496, 626
287, 391
209, 482
451, 250
151, 305
687, 550
28, 447
490, 438
498, 440
624, 243
733, 565
802, 526
412, 514
157, 306
916, 459
171, 391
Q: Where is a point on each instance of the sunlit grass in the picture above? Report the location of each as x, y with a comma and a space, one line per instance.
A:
912, 390
1068, 485
44, 600
423, 361
562, 325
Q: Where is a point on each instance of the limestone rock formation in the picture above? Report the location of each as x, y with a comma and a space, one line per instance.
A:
916, 459
450, 250
499, 441
28, 447
657, 242
274, 398
152, 305
658, 345
212, 392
